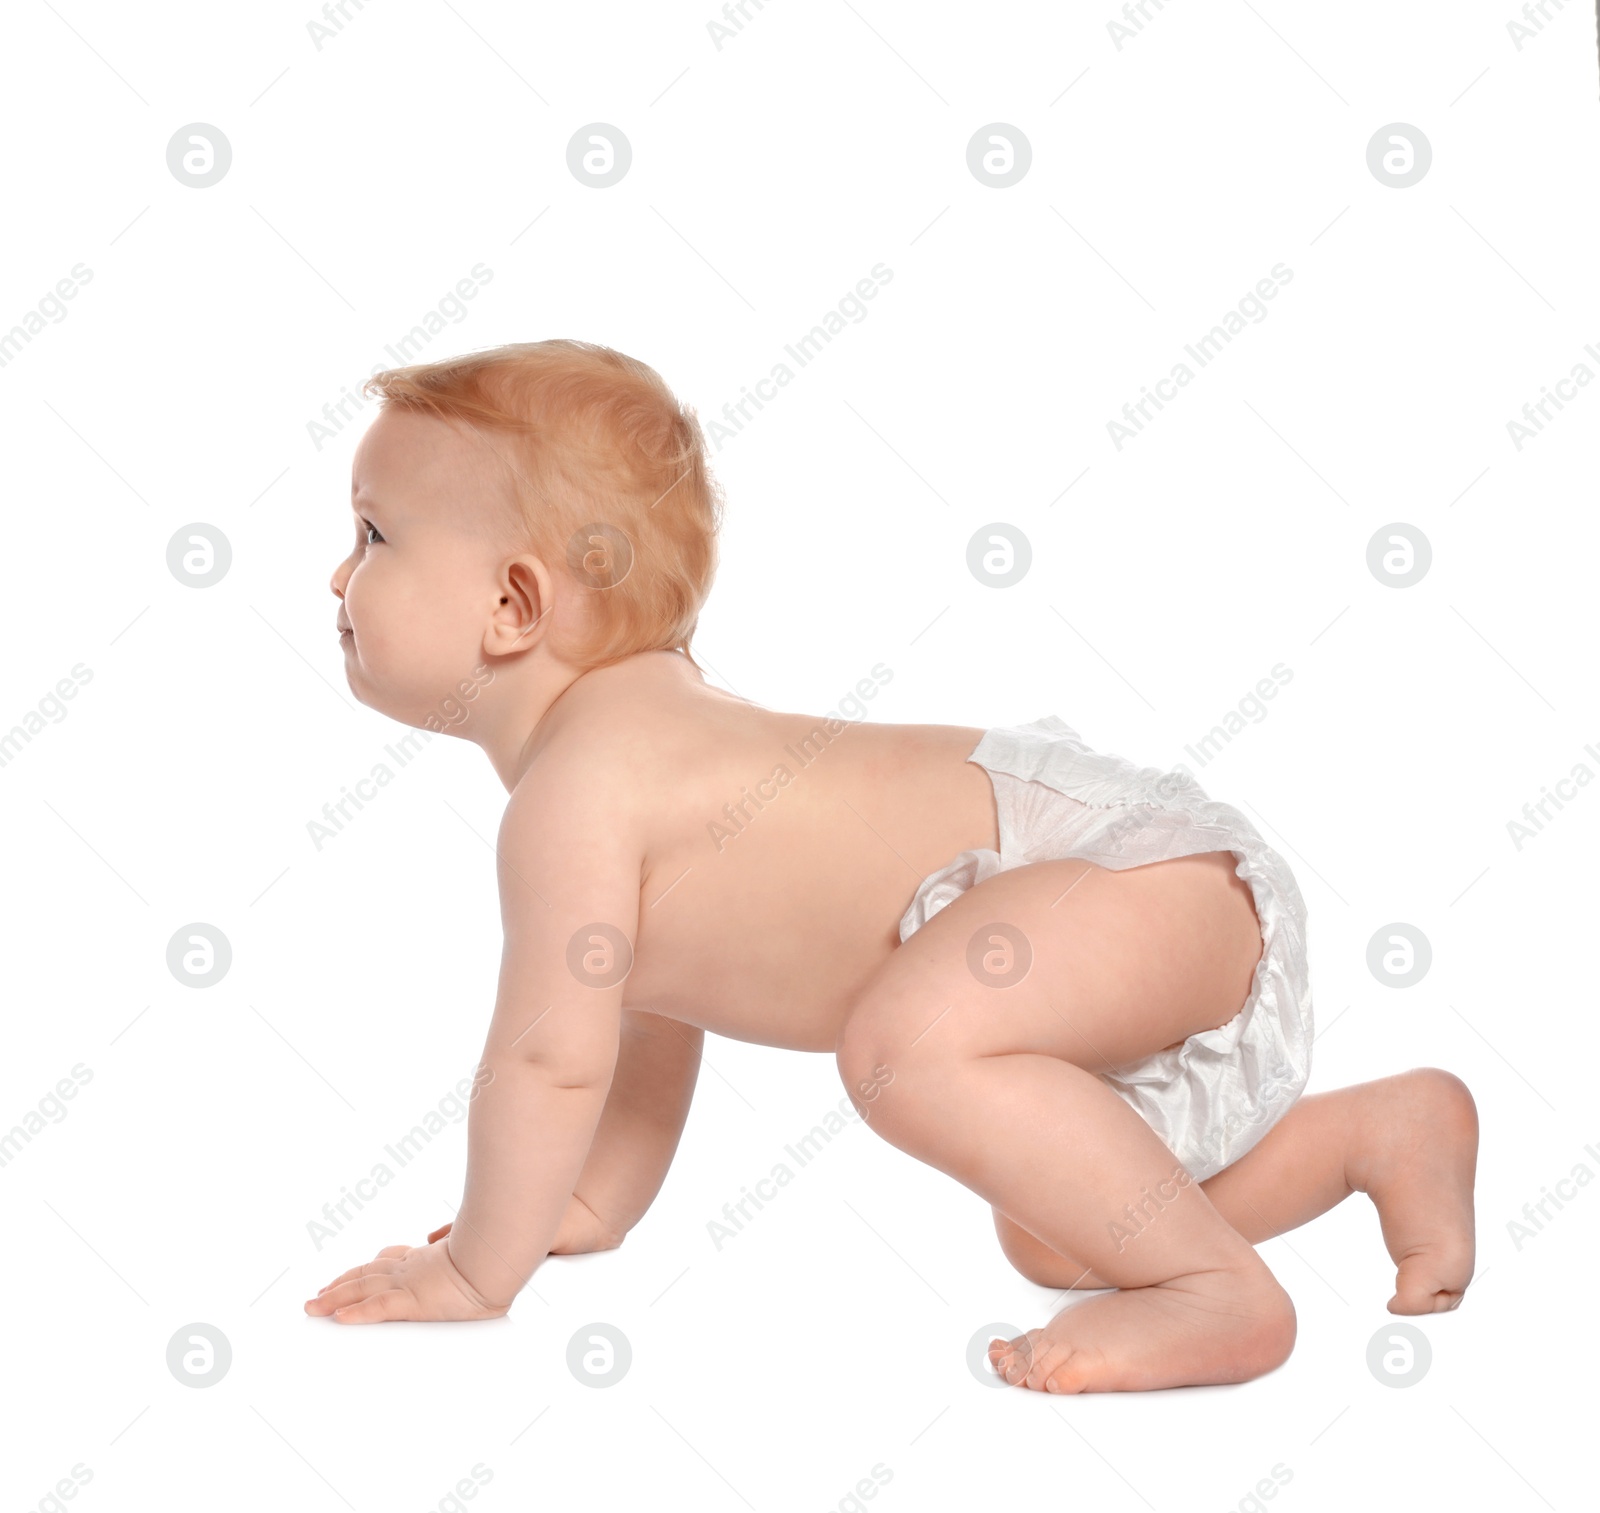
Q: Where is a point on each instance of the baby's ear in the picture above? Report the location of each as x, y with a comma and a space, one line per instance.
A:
524, 600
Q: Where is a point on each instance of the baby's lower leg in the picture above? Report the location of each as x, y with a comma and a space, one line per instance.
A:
1408, 1141
1298, 1170
1052, 1142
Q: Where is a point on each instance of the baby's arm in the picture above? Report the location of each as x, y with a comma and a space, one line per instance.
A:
569, 871
637, 1136
568, 880
639, 1129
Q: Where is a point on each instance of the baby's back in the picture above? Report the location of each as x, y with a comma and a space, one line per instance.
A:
779, 851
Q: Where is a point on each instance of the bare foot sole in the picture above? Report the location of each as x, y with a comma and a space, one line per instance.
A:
1197, 1330
1418, 1170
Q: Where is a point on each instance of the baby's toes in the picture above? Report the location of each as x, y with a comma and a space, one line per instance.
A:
1432, 1281
1056, 1367
1070, 1373
1012, 1359
1422, 1299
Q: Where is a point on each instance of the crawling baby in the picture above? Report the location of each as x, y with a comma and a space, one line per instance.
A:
1076, 985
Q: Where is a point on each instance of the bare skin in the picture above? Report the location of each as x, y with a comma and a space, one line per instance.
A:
1408, 1141
755, 865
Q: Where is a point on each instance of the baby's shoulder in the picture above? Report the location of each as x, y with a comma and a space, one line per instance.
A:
605, 750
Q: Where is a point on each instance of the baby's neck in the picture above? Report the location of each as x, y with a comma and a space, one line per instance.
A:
532, 696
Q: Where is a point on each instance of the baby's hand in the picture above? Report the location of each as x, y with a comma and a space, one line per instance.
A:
413, 1282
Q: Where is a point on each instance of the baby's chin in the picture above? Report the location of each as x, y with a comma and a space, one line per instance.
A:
445, 716
365, 689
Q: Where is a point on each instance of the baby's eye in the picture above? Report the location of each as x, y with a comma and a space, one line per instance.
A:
373, 536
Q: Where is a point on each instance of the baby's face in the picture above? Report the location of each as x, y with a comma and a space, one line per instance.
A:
419, 588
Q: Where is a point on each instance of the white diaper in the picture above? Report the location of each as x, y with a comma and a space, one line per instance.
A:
1214, 1096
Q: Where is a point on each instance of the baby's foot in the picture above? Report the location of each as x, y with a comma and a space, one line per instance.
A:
1198, 1330
1417, 1154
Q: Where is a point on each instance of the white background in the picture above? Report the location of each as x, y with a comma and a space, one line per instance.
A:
768, 176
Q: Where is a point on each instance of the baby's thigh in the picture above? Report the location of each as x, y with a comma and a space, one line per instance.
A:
1065, 959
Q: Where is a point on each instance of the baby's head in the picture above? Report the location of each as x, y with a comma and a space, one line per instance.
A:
543, 503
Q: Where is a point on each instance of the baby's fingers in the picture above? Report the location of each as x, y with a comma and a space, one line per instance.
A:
354, 1290
386, 1262
396, 1303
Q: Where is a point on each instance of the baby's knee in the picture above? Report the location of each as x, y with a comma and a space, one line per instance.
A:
897, 1053
863, 1069
865, 1040
1450, 1099
1031, 1257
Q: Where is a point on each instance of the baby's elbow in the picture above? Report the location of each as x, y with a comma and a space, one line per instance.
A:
567, 1061
569, 1083
567, 1071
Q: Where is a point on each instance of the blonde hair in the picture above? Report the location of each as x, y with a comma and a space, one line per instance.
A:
609, 473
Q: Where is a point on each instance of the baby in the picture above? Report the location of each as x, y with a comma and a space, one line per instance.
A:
1075, 985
